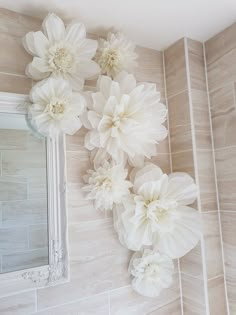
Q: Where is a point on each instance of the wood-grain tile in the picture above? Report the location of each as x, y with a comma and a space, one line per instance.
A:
193, 295
14, 84
196, 65
11, 47
17, 24
222, 71
226, 177
229, 243
98, 305
13, 188
180, 125
217, 300
213, 254
206, 176
183, 162
126, 301
19, 304
191, 263
175, 68
220, 44
201, 119
172, 308
98, 263
150, 67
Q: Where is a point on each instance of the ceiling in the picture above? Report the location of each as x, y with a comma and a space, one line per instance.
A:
150, 23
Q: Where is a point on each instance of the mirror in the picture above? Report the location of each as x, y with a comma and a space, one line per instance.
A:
23, 196
33, 220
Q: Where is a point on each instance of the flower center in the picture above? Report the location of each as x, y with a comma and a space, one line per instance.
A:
104, 183
110, 60
152, 270
116, 122
56, 109
155, 209
61, 59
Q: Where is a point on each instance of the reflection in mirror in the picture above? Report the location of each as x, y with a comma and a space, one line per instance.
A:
23, 196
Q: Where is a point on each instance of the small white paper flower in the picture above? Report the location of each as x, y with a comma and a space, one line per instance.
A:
61, 52
116, 54
106, 185
151, 272
55, 108
157, 213
125, 119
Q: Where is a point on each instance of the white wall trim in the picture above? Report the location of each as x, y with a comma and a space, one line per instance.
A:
205, 278
216, 182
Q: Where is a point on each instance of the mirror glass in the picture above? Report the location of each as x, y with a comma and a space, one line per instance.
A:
23, 196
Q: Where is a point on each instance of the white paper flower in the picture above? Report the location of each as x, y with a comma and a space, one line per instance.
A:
116, 54
55, 108
151, 272
107, 185
61, 52
157, 214
125, 119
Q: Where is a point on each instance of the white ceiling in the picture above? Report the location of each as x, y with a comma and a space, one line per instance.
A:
150, 23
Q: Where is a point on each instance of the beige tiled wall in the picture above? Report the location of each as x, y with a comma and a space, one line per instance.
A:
100, 283
221, 70
191, 148
23, 201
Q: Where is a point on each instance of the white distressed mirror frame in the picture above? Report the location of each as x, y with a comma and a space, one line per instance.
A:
57, 271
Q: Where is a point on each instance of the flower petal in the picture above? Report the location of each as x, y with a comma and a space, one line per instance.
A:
53, 27
185, 235
76, 81
36, 43
127, 82
104, 85
150, 172
181, 187
75, 32
37, 69
87, 48
88, 69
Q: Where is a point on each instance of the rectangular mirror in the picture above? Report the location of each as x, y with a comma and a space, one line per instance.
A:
23, 196
33, 236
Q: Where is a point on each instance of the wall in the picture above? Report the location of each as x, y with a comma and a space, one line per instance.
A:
202, 275
221, 70
23, 201
99, 282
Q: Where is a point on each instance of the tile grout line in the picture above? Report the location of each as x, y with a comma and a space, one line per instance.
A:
216, 182
109, 302
176, 94
36, 301
205, 278
15, 74
171, 170
234, 94
73, 301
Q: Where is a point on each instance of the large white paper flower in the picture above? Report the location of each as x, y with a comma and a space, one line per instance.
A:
115, 54
61, 52
125, 119
157, 213
55, 108
151, 272
106, 185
